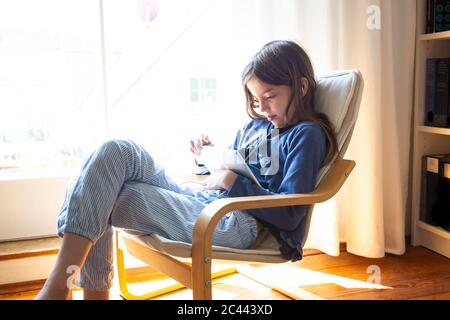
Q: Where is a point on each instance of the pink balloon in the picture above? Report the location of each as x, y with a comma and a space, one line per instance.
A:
147, 10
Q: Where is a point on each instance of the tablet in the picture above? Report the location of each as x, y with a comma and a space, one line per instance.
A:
215, 158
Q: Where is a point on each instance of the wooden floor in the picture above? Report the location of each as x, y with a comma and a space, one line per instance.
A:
418, 274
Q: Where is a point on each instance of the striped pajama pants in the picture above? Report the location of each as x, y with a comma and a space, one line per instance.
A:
120, 185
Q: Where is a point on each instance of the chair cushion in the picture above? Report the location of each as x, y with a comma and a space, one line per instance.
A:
334, 94
265, 249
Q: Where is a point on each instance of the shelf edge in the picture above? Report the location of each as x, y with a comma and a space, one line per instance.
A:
436, 230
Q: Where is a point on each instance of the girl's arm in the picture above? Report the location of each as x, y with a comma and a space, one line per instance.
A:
303, 161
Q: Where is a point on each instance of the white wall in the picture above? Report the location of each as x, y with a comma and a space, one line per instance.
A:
29, 206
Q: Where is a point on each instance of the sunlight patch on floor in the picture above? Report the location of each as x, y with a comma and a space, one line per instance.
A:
300, 277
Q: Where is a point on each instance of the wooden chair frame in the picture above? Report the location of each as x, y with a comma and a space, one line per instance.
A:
197, 275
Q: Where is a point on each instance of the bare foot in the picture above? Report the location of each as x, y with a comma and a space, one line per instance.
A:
49, 293
72, 254
55, 288
95, 295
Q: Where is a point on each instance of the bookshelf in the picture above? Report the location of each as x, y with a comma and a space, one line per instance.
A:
435, 36
444, 131
427, 140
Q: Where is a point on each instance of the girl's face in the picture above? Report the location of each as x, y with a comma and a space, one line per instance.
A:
272, 101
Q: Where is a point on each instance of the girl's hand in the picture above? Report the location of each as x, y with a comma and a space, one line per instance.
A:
219, 180
197, 143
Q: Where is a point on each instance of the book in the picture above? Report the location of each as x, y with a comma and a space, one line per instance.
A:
435, 190
430, 16
430, 91
216, 158
441, 103
441, 15
443, 198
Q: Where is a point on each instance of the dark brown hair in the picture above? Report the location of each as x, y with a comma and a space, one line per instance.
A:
284, 62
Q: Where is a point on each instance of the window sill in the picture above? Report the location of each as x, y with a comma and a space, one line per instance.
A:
29, 248
35, 174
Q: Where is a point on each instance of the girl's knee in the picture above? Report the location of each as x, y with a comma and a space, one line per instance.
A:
117, 148
114, 145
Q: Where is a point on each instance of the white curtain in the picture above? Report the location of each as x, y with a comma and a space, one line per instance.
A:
378, 38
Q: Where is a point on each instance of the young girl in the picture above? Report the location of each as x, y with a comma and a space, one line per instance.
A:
121, 186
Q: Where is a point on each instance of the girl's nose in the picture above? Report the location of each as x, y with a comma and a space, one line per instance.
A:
263, 106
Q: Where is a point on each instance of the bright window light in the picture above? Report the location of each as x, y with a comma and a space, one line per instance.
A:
167, 72
50, 69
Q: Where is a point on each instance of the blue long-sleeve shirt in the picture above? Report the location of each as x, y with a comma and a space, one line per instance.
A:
301, 152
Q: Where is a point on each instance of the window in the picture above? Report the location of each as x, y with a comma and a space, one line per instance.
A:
167, 79
166, 74
203, 91
203, 94
76, 72
50, 89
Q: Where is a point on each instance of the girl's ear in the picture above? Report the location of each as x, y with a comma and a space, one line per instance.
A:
305, 85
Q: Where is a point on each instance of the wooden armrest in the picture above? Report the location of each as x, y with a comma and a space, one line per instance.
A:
211, 214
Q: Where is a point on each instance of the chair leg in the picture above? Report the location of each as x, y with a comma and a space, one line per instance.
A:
200, 291
201, 280
124, 287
